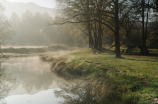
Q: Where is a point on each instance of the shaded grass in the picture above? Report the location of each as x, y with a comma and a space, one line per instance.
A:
127, 80
137, 51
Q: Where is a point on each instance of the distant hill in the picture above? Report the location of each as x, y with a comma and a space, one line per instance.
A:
19, 8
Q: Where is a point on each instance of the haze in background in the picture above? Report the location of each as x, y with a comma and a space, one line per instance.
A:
30, 24
44, 3
20, 7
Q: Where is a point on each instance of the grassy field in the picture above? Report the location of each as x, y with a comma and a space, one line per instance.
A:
132, 79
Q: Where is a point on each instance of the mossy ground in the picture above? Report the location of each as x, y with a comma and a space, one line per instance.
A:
132, 79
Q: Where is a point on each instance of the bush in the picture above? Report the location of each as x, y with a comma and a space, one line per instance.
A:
153, 40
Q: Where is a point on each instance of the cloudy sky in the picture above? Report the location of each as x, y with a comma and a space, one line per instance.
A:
45, 3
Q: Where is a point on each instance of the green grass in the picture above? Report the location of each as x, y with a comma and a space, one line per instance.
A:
132, 79
54, 47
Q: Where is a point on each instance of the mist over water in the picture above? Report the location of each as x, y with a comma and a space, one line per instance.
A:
34, 83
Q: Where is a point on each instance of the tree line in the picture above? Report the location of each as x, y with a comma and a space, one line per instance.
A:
123, 18
31, 29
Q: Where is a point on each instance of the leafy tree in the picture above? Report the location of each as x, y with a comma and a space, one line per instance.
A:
93, 14
153, 40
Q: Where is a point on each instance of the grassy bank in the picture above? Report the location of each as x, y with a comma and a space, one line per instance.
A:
29, 50
9, 55
127, 80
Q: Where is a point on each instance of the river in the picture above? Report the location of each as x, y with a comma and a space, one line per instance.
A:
28, 80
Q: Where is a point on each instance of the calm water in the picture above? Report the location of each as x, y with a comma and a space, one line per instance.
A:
28, 80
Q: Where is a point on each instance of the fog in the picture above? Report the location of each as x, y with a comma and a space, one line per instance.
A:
31, 25
26, 28
28, 79
78, 51
45, 3
11, 7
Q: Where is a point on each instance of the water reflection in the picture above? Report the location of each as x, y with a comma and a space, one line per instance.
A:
33, 79
79, 92
33, 74
42, 97
7, 82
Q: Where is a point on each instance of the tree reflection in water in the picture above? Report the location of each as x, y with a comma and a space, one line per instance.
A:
7, 82
33, 74
79, 93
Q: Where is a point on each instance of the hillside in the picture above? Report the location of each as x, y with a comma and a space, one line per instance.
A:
11, 7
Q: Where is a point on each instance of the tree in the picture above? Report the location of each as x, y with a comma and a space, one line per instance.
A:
85, 13
117, 43
146, 6
5, 30
144, 49
32, 29
14, 19
93, 15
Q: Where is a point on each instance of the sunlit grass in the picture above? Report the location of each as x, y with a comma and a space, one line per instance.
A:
133, 78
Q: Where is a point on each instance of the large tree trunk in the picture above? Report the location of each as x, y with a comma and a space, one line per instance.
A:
144, 50
117, 43
99, 38
157, 5
143, 35
90, 36
95, 36
99, 32
88, 25
91, 42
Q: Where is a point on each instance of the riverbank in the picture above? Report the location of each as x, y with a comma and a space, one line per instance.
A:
22, 51
9, 55
38, 49
128, 80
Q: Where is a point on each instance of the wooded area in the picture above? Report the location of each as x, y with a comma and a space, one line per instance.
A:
122, 18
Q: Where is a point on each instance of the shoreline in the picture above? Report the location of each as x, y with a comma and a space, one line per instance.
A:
122, 80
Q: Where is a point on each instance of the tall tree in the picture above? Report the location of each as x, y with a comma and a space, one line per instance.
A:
111, 13
5, 30
117, 43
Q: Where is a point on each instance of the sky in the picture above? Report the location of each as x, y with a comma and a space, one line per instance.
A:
44, 3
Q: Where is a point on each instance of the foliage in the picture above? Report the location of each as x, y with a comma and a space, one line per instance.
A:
153, 40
